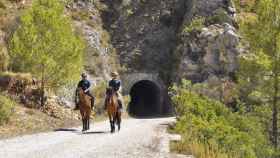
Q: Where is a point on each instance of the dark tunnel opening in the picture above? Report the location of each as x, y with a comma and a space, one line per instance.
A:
145, 99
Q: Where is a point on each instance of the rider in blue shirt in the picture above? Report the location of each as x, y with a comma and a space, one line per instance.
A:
116, 84
85, 85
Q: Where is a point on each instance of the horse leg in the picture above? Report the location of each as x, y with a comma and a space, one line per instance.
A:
88, 122
119, 120
85, 124
112, 126
83, 119
114, 122
84, 127
110, 120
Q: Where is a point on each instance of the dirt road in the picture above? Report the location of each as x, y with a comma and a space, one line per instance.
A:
138, 138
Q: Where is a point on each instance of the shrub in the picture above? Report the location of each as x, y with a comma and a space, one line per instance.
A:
245, 5
6, 108
196, 25
220, 16
209, 123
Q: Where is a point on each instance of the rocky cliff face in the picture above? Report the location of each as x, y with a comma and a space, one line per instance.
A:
211, 51
144, 32
146, 36
100, 57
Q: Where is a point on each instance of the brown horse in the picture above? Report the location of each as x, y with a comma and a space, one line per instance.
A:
85, 108
113, 109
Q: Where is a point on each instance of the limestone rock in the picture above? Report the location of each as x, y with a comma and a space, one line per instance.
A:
214, 51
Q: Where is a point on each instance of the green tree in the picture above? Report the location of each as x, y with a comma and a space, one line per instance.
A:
45, 45
263, 34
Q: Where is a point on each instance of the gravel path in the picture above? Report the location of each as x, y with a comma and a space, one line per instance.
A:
138, 138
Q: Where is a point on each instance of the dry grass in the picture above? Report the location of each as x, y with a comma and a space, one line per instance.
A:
198, 150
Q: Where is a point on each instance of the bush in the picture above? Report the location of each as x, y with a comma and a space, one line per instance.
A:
245, 5
196, 25
220, 16
6, 108
208, 122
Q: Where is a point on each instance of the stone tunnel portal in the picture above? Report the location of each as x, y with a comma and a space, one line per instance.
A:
145, 99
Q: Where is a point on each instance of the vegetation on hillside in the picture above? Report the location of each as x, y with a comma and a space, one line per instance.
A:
45, 45
210, 129
253, 129
260, 65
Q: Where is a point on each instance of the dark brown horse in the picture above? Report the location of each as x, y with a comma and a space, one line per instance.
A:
112, 106
85, 108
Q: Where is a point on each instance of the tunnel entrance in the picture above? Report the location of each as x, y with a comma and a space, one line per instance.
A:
145, 99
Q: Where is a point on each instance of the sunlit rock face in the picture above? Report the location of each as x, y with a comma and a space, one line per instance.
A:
214, 51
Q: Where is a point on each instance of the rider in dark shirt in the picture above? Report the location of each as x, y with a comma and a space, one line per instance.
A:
116, 84
85, 85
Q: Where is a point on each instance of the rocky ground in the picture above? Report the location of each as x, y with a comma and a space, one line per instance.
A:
138, 138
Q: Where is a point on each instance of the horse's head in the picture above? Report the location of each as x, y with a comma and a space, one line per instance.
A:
80, 91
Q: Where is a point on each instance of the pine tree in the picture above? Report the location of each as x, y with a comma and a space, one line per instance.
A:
45, 45
262, 63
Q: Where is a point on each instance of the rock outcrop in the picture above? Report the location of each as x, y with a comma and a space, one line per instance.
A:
144, 32
100, 57
147, 36
211, 52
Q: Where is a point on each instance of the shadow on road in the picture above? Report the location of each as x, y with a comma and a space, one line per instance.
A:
65, 130
96, 132
77, 131
151, 116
